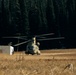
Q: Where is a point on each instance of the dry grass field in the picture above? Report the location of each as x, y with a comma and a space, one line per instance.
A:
50, 62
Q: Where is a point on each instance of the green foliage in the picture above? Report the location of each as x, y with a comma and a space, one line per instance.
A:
36, 16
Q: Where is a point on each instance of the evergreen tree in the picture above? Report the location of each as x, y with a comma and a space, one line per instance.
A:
50, 14
4, 24
43, 27
24, 17
37, 17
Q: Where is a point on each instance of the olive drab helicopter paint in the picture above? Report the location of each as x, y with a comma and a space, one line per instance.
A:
32, 47
32, 44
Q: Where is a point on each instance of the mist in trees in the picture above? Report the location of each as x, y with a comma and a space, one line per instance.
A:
32, 17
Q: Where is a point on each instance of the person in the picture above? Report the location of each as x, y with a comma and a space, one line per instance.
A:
32, 47
11, 48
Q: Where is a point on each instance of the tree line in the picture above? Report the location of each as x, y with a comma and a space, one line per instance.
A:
32, 17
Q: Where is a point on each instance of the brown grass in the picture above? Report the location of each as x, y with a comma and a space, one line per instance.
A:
20, 64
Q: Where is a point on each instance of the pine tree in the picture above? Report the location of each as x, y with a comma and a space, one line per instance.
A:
24, 17
43, 27
50, 15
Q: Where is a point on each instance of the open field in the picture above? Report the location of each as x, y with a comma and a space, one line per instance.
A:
50, 62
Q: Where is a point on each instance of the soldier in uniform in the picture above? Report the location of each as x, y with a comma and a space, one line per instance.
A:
32, 47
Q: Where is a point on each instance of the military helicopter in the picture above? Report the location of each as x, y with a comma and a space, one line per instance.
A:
32, 44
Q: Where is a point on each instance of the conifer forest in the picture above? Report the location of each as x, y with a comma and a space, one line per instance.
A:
36, 17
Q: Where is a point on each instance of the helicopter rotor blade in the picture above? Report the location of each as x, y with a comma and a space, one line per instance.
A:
15, 38
52, 38
42, 37
21, 43
44, 34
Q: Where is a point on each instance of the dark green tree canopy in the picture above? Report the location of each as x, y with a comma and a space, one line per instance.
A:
31, 17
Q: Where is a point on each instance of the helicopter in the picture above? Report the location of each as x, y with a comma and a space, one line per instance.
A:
32, 44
